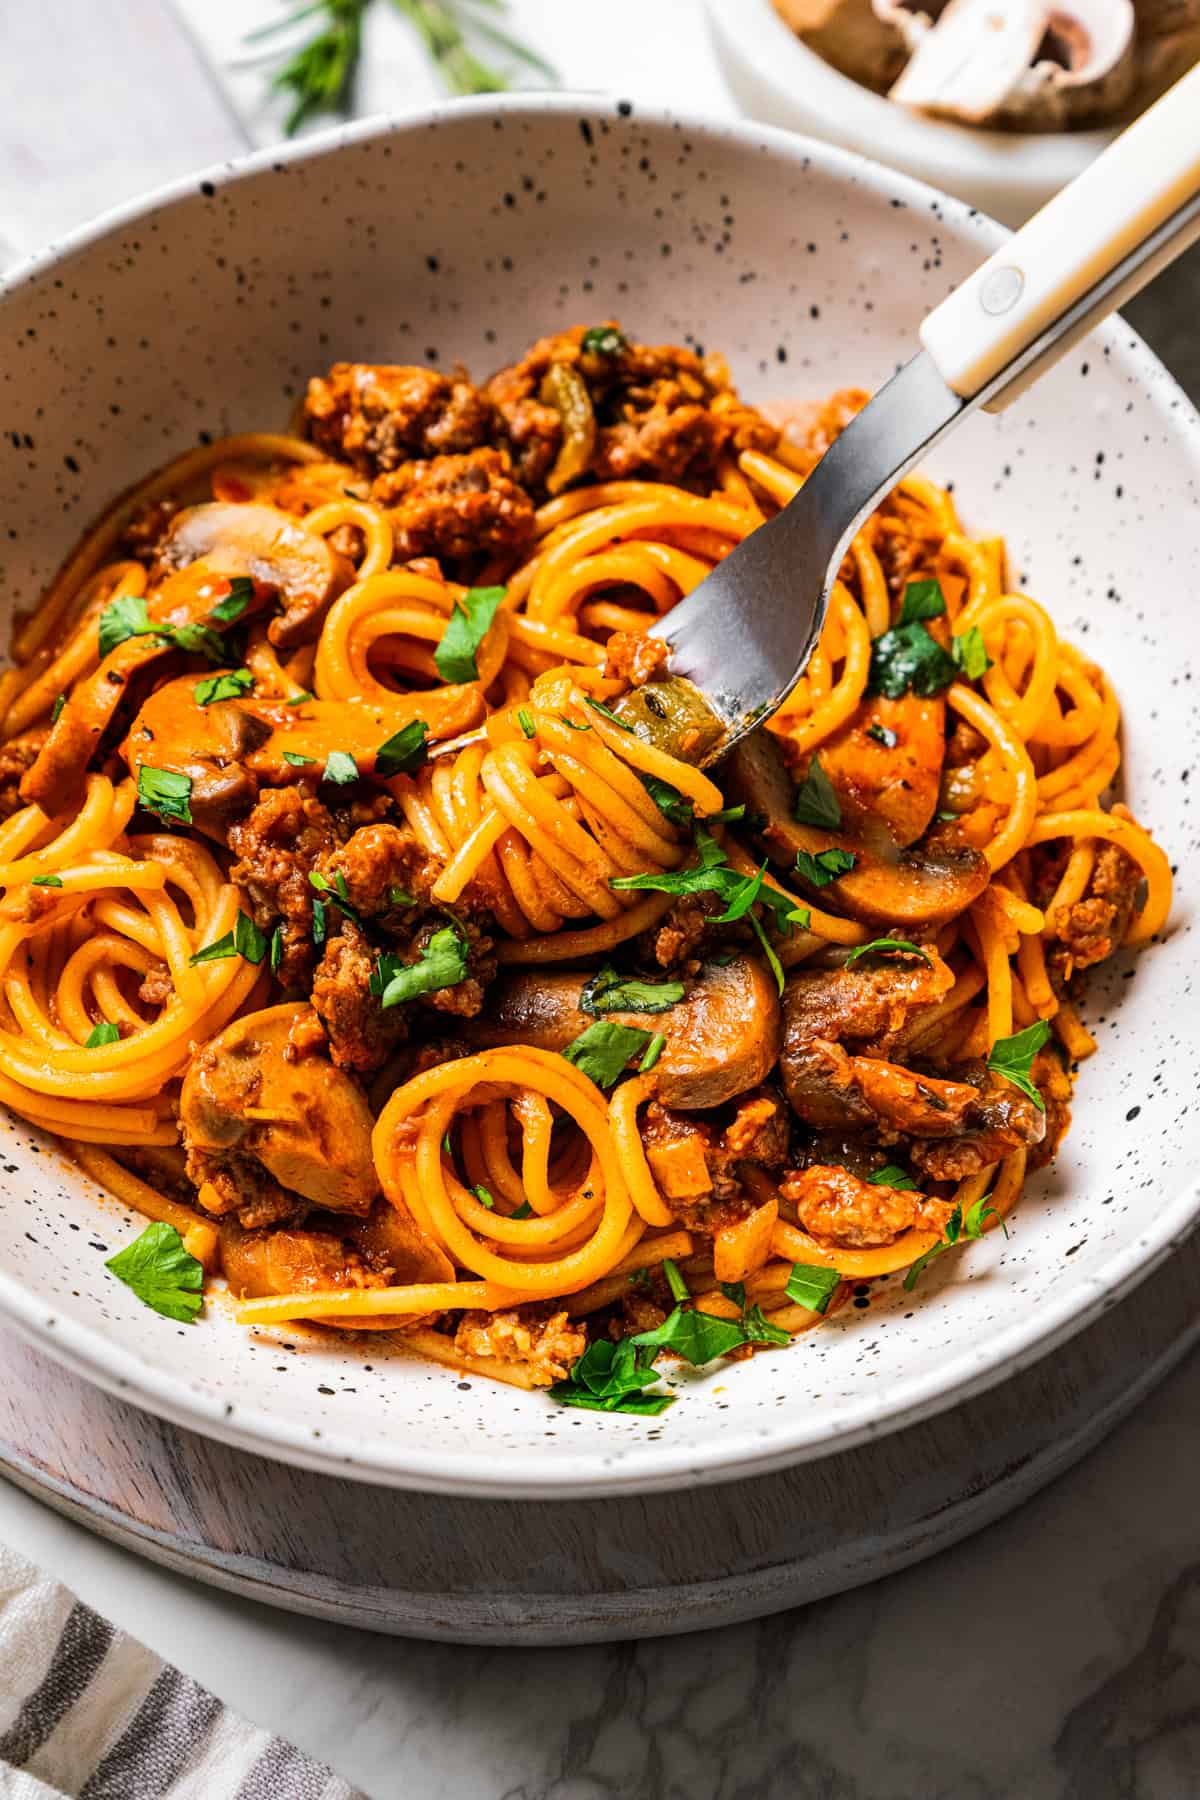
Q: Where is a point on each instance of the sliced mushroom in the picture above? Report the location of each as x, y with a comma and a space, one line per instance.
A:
723, 1038
207, 744
921, 885
306, 1123
1028, 66
271, 547
853, 36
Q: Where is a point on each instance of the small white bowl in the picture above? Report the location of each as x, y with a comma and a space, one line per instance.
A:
779, 80
463, 232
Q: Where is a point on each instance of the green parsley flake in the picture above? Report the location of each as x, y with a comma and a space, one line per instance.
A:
812, 1286
824, 867
104, 1033
668, 800
340, 768
403, 752
604, 1049
1012, 1057
441, 964
893, 1176
161, 1272
598, 706
245, 940
56, 709
165, 793
922, 600
654, 1050
602, 340
678, 1286
609, 992
528, 729
612, 1377
959, 1226
886, 947
230, 685
483, 1197
465, 631
817, 802
970, 653
883, 734
276, 947
297, 761
239, 597
46, 881
908, 658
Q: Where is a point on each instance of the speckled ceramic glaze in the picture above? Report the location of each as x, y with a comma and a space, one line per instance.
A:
461, 234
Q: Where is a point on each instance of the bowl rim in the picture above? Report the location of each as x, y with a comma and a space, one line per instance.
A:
1025, 161
1066, 1309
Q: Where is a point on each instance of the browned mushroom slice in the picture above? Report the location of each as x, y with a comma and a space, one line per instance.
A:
271, 547
304, 1122
721, 1039
207, 744
921, 885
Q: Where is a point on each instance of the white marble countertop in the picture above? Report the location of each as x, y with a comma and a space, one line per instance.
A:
1056, 1655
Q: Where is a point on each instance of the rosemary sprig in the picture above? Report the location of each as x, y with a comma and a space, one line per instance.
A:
319, 74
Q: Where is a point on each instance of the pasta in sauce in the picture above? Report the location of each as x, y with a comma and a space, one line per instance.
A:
368, 922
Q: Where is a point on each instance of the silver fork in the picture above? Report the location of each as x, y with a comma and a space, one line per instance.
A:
744, 635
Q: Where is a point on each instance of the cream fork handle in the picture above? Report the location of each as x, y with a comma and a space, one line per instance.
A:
1129, 193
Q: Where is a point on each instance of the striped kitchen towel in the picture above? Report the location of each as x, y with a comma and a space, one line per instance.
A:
87, 1712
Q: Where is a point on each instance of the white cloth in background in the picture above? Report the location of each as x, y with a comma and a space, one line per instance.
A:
88, 1713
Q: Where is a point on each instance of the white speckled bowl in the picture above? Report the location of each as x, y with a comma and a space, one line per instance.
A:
460, 234
778, 79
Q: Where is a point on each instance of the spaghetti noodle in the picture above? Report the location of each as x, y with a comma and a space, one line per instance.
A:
583, 1047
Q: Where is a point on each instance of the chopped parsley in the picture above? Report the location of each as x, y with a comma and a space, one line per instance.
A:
340, 768
612, 1377
970, 653
161, 1272
611, 716
466, 629
654, 1050
441, 964
483, 1197
668, 800
245, 940
922, 600
335, 891
603, 340
277, 946
165, 793
959, 1226
56, 709
524, 1211
678, 1286
907, 658
883, 734
46, 881
608, 991
404, 751
812, 1286
886, 947
573, 724
817, 802
893, 1176
297, 761
127, 617
528, 729
104, 1033
1012, 1057
700, 1337
320, 924
241, 593
824, 867
227, 686
605, 1048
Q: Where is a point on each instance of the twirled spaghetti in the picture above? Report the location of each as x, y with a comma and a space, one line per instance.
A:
582, 1047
